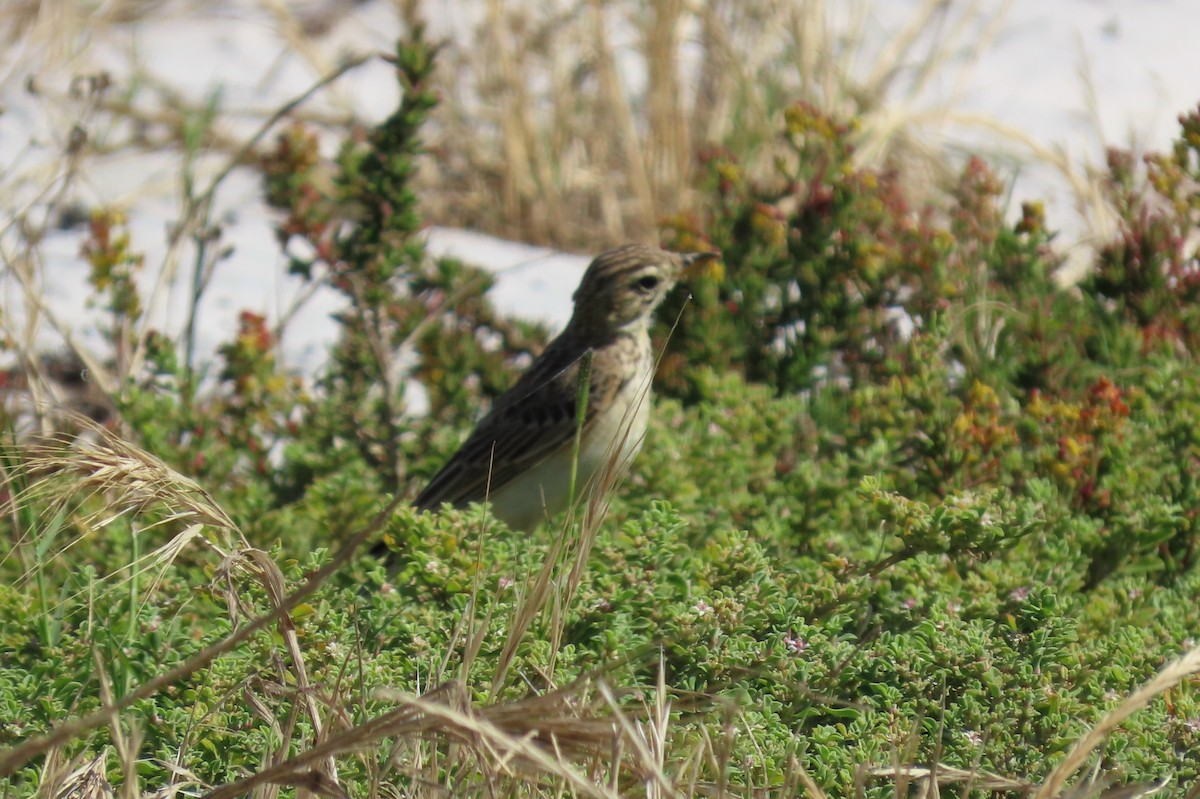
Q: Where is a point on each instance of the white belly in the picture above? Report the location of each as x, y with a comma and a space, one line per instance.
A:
609, 447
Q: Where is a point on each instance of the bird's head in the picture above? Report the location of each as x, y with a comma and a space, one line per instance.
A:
622, 287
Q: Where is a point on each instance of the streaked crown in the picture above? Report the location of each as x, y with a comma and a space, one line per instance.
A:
622, 287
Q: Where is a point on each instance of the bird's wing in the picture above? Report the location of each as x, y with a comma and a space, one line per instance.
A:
529, 423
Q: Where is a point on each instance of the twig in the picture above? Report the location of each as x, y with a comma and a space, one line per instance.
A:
192, 209
1168, 677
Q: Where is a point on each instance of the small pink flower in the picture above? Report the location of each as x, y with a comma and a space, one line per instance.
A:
795, 643
702, 608
505, 583
909, 603
1020, 594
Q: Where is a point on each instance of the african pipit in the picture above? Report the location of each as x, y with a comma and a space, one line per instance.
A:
520, 455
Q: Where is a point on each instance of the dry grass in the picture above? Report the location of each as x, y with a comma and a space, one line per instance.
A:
577, 123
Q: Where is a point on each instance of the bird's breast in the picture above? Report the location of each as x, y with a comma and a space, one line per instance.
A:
619, 430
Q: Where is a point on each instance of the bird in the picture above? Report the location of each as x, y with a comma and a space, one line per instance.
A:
521, 456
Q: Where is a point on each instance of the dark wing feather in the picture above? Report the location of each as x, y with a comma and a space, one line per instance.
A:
529, 423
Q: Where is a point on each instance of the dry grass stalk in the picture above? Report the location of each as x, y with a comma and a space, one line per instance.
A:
542, 112
271, 577
526, 740
87, 781
803, 779
1167, 678
928, 778
532, 598
93, 480
574, 540
648, 740
129, 478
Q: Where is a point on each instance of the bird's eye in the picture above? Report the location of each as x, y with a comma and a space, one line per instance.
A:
647, 283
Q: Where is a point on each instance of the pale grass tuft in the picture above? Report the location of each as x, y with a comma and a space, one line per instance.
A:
928, 780
86, 781
96, 478
121, 479
584, 118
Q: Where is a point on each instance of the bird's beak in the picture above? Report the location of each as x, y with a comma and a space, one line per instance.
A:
699, 264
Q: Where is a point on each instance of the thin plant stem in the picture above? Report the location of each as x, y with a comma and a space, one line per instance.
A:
581, 403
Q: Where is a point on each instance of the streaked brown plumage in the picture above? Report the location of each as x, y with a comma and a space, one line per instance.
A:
519, 455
